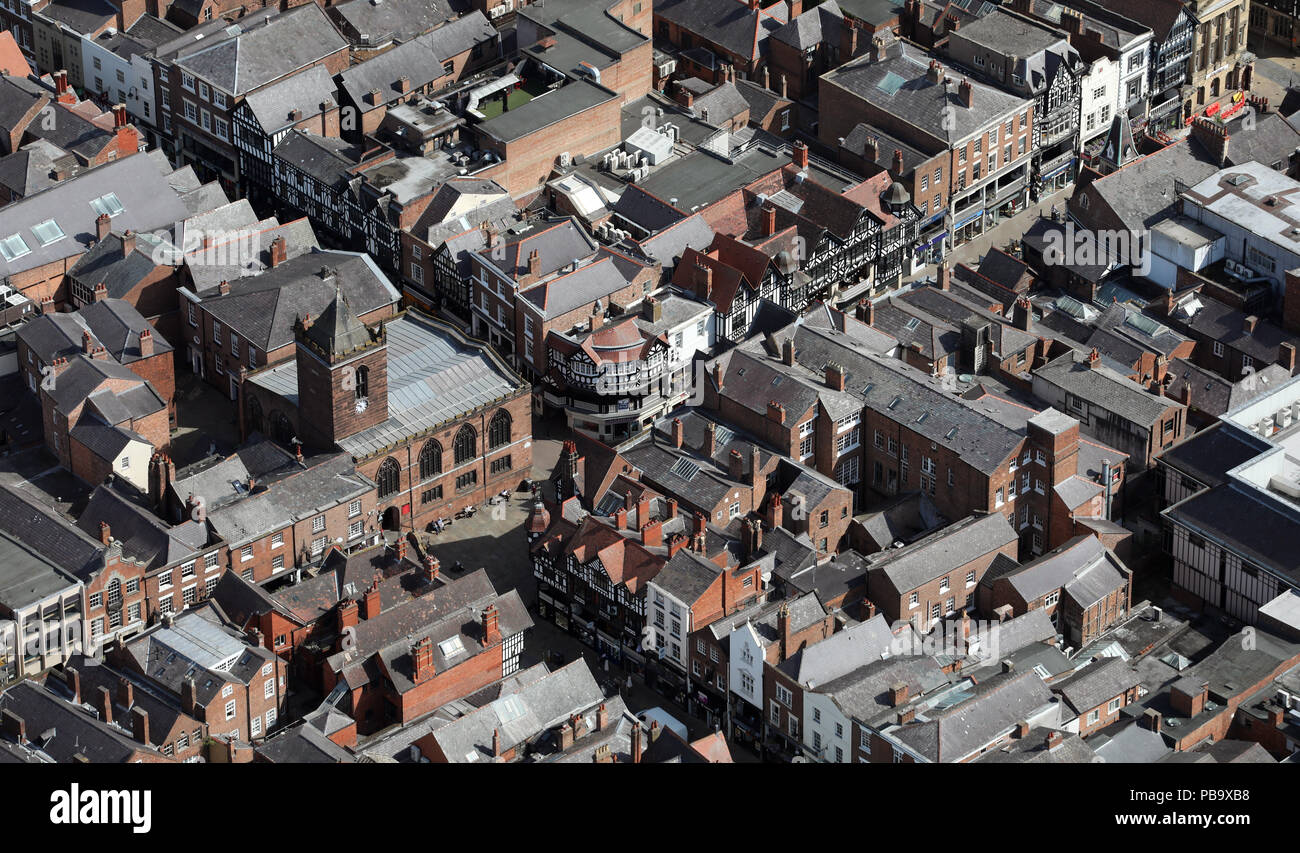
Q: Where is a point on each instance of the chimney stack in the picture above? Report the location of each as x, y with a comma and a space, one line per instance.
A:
769, 220
140, 725
1022, 314
897, 165
128, 243
736, 465
72, 678
370, 602
1094, 359
800, 155
534, 264
787, 352
105, 704
105, 533
1286, 356
103, 224
146, 343
679, 432
491, 626
967, 93
279, 250
125, 693
834, 377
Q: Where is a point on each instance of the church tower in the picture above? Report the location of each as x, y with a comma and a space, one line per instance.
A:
342, 373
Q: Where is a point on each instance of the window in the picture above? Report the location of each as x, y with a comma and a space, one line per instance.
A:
466, 446
970, 578
913, 600
246, 554
13, 247
209, 561
784, 696
230, 710
256, 728
96, 601
277, 541
431, 495
189, 595
500, 464
1094, 715
270, 717
1051, 598
388, 478
943, 585
466, 480
318, 524
864, 741
1113, 706
277, 563
133, 586
354, 508
499, 430
362, 390
934, 611
187, 570
268, 688
204, 92
1218, 348
164, 580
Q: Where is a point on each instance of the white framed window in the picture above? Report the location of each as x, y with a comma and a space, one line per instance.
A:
246, 554
277, 540
913, 600
230, 710
227, 690
256, 728
318, 524
268, 688
784, 696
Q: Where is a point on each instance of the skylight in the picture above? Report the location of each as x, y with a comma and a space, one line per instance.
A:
107, 203
685, 468
13, 247
894, 402
452, 647
47, 232
913, 323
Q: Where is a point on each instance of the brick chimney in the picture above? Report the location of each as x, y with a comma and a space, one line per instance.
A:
105, 533
431, 568
636, 744
1022, 730
896, 166
602, 718
103, 224
140, 725
491, 626
125, 693
943, 276
775, 412
898, 693
223, 288
620, 518
146, 343
279, 251
679, 432
128, 243
935, 72
105, 704
1022, 314
670, 508
871, 149
736, 465
703, 280
866, 311
1151, 720
422, 660
72, 678
534, 264
189, 696
967, 93
370, 603
652, 534
13, 725
1094, 359
775, 514
834, 377
784, 632
799, 155
347, 614
769, 220
1053, 740
1286, 353
710, 445
496, 743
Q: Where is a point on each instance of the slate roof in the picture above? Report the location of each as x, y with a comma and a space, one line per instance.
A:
420, 60
27, 578
1083, 566
1096, 684
865, 693
48, 533
1214, 395
1143, 192
311, 92
71, 730
262, 309
140, 185
303, 744
1033, 749
112, 323
730, 24
821, 23
403, 21
1133, 744
1221, 322
521, 715
994, 706
1105, 388
917, 101
266, 49
943, 551
841, 653
144, 537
